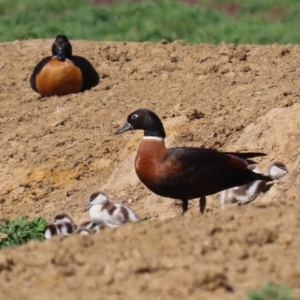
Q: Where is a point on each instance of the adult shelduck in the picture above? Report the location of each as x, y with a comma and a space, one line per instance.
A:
63, 73
185, 173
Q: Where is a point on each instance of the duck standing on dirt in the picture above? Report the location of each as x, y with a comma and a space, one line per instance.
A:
63, 73
185, 173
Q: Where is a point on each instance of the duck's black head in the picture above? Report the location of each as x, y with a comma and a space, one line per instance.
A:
146, 120
62, 47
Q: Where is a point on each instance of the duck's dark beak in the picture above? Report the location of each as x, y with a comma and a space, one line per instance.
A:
61, 53
88, 207
126, 127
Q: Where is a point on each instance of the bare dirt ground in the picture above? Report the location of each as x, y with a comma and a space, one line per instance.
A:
56, 151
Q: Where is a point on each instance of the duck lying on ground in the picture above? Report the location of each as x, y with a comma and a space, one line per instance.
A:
63, 73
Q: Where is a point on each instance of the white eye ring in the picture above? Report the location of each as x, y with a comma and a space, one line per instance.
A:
134, 116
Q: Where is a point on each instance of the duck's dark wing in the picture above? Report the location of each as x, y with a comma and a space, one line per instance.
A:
201, 171
247, 155
90, 77
37, 70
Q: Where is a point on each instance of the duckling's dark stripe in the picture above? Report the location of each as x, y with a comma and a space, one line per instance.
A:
125, 213
52, 229
66, 228
94, 196
110, 207
60, 217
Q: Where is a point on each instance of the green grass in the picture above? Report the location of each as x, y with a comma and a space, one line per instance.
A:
272, 292
20, 231
150, 21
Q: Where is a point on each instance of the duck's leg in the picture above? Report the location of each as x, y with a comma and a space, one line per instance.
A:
222, 199
184, 205
202, 204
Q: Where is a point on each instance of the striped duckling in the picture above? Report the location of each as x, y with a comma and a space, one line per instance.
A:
110, 213
93, 226
62, 225
248, 192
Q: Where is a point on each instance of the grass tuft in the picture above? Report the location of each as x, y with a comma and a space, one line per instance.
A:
272, 292
20, 231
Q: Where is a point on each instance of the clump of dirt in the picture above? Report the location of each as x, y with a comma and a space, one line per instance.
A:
56, 151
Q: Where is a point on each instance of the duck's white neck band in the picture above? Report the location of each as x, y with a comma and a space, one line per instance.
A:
156, 138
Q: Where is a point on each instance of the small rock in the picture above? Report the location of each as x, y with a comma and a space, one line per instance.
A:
194, 114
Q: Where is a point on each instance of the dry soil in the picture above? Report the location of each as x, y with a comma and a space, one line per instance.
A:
56, 151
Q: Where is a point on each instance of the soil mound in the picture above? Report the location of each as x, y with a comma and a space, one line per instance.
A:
56, 151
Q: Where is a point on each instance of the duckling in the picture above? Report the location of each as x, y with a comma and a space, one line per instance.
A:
62, 224
94, 226
248, 192
110, 213
82, 231
277, 170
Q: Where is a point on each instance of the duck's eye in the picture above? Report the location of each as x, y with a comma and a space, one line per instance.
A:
134, 116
